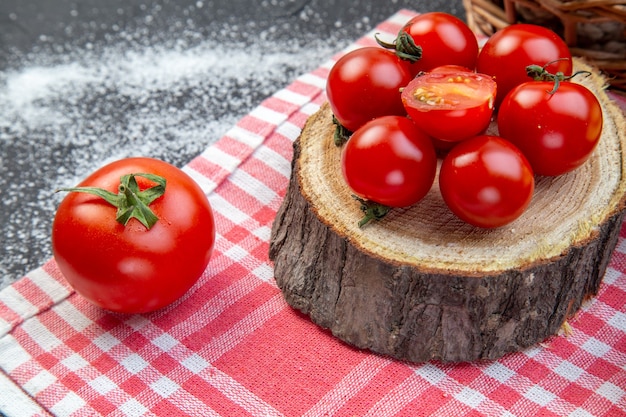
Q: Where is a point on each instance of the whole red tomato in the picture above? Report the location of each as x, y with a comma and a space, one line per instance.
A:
450, 104
134, 267
443, 38
389, 161
508, 52
365, 84
556, 131
486, 181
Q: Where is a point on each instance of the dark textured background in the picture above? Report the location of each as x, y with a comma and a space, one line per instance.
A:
66, 106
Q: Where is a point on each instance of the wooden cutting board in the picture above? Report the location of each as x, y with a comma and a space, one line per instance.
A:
421, 284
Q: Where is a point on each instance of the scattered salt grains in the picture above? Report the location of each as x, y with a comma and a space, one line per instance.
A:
92, 105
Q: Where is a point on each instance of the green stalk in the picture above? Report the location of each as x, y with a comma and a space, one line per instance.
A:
404, 46
130, 201
538, 73
371, 210
342, 134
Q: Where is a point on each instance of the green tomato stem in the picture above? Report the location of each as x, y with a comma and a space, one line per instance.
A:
341, 133
130, 201
538, 73
371, 210
404, 45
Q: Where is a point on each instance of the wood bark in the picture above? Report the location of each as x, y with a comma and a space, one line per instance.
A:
420, 284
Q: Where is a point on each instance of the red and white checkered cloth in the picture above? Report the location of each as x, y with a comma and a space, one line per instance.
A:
233, 347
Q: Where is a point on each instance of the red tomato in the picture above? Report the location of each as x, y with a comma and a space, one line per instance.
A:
132, 268
444, 39
389, 161
508, 52
451, 68
557, 132
450, 105
486, 181
365, 84
442, 147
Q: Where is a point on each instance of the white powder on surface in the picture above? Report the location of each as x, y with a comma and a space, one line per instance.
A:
153, 101
64, 114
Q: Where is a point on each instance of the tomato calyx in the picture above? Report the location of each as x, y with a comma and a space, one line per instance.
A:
371, 210
342, 134
539, 73
130, 201
404, 46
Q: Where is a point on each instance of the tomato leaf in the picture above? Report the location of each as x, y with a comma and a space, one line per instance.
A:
404, 46
130, 201
371, 210
134, 203
341, 133
539, 73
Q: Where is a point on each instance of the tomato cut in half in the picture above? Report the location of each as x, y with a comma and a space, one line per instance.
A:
450, 105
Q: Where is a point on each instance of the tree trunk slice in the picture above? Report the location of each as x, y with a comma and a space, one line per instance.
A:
421, 284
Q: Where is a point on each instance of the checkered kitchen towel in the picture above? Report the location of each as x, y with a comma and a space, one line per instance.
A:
233, 347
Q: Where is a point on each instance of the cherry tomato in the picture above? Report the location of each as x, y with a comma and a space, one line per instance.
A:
557, 132
365, 84
450, 105
508, 52
389, 161
442, 147
486, 181
451, 68
134, 268
444, 39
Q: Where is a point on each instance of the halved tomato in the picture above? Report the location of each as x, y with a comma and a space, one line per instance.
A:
450, 105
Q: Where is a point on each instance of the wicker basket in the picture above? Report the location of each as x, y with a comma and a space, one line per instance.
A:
593, 29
